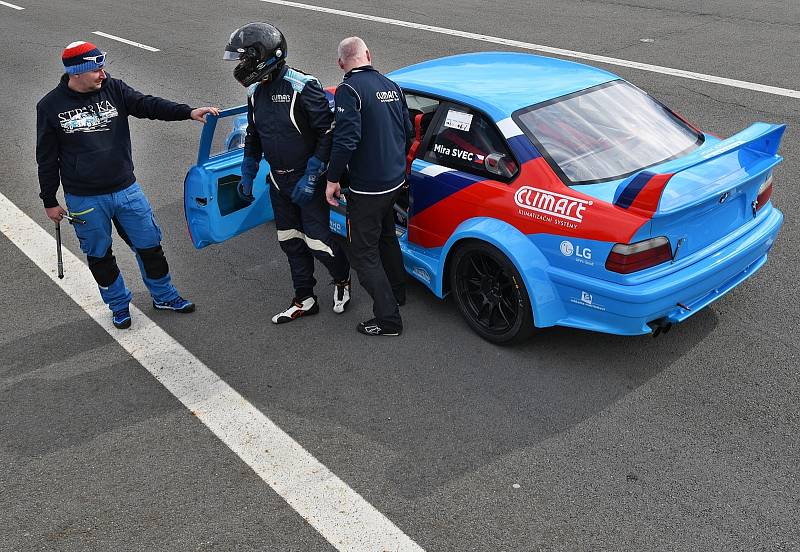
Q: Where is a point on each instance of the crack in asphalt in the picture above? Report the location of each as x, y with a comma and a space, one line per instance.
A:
232, 268
733, 103
690, 13
656, 37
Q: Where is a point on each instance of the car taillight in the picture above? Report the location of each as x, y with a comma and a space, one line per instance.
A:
631, 257
764, 193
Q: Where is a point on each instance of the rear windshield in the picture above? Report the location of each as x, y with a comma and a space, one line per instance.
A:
606, 132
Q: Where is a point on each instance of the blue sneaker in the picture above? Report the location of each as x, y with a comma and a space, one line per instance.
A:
122, 319
179, 304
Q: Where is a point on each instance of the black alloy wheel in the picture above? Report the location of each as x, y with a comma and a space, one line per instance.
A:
491, 294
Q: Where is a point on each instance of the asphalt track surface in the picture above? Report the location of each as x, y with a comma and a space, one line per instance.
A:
572, 441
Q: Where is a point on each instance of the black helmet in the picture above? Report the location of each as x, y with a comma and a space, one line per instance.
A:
260, 49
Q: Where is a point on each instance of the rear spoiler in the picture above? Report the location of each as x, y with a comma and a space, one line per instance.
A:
642, 192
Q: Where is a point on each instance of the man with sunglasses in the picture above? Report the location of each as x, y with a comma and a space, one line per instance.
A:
83, 142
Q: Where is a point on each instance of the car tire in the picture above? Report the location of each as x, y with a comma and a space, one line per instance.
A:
491, 294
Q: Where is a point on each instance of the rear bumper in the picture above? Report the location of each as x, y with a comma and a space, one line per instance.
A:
609, 307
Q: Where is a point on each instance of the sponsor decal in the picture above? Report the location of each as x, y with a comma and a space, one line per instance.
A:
458, 120
281, 98
336, 226
559, 209
340, 109
422, 273
91, 118
587, 301
582, 255
387, 96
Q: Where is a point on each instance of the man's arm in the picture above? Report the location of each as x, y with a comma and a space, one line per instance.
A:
320, 118
347, 130
144, 106
47, 158
252, 156
252, 143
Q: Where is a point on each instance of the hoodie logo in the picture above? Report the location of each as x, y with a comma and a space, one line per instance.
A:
91, 118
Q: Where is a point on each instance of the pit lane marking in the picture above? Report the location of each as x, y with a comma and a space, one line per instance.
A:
337, 512
10, 5
126, 41
550, 50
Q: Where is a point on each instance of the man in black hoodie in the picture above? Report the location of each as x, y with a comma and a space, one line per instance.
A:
83, 142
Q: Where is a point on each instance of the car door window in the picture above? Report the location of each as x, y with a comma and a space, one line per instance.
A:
421, 109
462, 140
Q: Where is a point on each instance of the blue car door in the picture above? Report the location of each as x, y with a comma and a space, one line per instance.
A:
214, 211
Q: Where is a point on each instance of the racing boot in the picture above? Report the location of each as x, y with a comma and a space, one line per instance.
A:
341, 296
298, 308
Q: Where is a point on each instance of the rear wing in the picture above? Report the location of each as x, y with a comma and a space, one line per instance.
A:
702, 174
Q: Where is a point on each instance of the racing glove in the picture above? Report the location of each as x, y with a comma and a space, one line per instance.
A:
249, 170
305, 187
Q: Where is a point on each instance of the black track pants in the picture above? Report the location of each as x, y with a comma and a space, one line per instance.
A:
375, 252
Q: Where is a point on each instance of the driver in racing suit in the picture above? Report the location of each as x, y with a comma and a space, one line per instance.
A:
289, 123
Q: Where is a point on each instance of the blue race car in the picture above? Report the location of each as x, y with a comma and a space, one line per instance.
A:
545, 192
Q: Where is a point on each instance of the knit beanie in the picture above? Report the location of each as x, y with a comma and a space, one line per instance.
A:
74, 58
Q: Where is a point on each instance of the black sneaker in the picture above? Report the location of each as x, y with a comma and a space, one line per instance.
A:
298, 308
371, 327
179, 304
121, 319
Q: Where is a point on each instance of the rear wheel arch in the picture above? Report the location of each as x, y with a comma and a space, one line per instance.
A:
499, 308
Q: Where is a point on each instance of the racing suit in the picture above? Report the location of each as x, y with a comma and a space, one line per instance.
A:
289, 121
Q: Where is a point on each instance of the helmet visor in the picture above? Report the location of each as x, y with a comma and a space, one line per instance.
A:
231, 56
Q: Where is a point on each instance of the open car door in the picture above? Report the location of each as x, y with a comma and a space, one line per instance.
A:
214, 211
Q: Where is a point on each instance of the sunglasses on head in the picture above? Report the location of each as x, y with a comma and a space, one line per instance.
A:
99, 60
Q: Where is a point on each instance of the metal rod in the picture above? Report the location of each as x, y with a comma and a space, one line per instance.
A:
58, 251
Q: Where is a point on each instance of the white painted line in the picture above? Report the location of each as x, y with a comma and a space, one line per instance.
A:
550, 50
10, 5
126, 41
337, 512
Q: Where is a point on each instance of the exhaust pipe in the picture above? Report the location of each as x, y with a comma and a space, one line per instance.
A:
662, 325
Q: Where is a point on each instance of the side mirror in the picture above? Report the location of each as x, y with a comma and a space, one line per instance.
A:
500, 164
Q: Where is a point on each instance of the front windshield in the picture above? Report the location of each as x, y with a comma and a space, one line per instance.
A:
606, 132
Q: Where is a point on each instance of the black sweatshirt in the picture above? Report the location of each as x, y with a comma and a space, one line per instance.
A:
83, 140
372, 132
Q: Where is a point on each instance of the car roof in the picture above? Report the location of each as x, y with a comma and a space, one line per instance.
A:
499, 83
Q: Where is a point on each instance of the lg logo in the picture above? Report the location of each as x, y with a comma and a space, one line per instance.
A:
567, 249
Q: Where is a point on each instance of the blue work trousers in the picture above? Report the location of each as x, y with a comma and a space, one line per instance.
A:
130, 213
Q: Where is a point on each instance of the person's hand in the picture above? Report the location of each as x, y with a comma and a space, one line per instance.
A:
199, 114
245, 189
55, 213
332, 193
304, 189
249, 170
